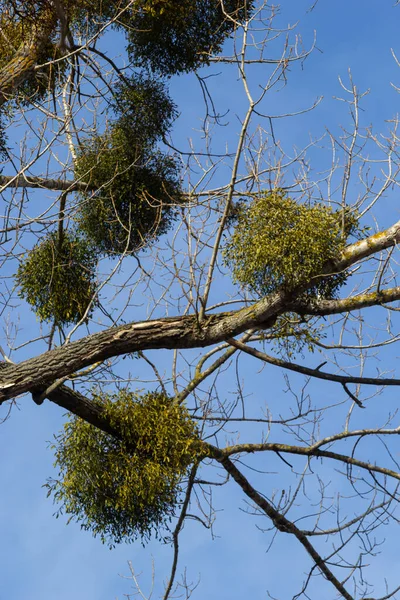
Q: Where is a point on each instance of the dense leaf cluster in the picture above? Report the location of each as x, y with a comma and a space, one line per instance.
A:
57, 278
137, 187
165, 36
137, 192
132, 197
279, 242
174, 36
122, 489
142, 104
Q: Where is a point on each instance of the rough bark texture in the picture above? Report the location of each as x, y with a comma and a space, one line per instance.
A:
169, 333
26, 58
81, 406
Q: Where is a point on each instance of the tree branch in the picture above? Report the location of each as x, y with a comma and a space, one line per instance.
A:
16, 71
282, 523
343, 379
22, 181
82, 407
186, 331
333, 307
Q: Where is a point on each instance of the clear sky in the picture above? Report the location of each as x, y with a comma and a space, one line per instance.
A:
41, 558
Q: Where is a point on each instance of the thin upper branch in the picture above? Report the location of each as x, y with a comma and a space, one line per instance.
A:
309, 451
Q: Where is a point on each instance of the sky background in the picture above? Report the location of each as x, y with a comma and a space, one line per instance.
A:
40, 557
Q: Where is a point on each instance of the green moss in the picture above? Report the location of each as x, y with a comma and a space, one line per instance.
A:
122, 490
277, 242
57, 280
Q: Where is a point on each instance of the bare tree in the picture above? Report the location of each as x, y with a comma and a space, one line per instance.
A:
177, 282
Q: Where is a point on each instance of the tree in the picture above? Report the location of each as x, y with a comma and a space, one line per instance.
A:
123, 246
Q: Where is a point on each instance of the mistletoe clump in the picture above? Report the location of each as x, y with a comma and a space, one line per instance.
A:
133, 188
57, 278
143, 105
165, 36
175, 36
279, 243
126, 487
137, 192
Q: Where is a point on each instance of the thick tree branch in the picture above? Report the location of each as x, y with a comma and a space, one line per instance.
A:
82, 407
342, 305
169, 333
368, 246
16, 71
187, 332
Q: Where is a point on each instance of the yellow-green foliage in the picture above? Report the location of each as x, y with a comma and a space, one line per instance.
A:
57, 279
125, 489
278, 242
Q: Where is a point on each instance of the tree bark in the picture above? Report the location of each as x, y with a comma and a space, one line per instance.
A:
26, 58
28, 181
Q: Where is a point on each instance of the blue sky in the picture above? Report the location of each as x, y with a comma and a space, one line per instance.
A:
41, 557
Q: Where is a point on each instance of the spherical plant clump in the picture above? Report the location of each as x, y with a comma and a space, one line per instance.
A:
137, 191
278, 242
127, 488
143, 106
57, 279
175, 36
